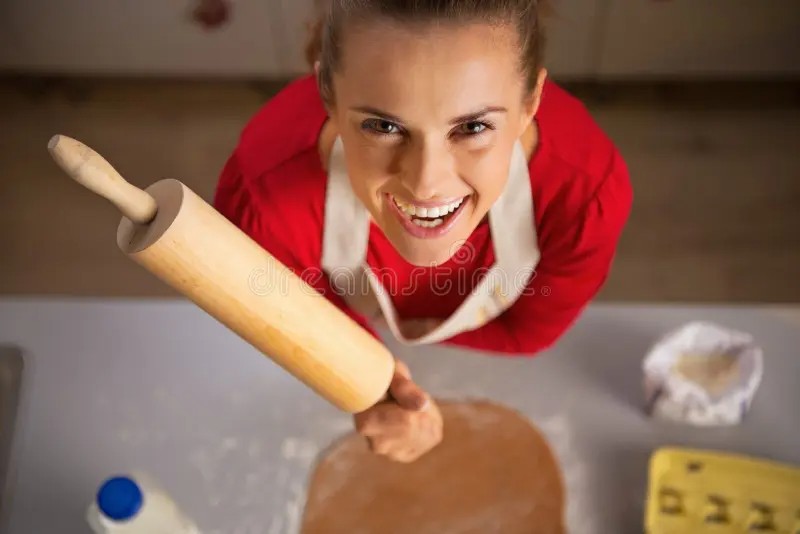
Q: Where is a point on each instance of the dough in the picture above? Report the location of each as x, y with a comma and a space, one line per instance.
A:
492, 473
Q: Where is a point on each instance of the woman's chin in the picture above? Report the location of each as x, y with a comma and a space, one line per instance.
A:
420, 258
423, 252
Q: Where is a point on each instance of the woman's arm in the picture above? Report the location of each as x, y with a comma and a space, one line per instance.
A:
575, 264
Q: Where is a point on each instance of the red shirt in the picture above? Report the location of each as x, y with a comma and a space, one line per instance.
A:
273, 188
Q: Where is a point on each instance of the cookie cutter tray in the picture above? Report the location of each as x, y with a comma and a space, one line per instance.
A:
704, 491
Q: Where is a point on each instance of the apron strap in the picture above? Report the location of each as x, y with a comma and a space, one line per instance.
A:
346, 222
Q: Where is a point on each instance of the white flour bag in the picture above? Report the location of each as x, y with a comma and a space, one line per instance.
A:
702, 374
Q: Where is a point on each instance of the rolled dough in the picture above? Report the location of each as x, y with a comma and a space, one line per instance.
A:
493, 472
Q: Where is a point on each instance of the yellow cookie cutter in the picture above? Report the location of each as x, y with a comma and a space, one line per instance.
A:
700, 491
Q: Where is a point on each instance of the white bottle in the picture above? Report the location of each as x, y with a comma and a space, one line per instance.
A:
135, 504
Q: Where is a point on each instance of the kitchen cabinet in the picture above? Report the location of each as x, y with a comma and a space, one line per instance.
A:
699, 38
572, 34
146, 37
587, 39
262, 38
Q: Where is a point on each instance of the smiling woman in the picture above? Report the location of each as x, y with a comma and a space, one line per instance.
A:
429, 159
435, 112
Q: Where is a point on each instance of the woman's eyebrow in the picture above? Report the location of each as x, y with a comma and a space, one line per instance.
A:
469, 117
474, 116
378, 113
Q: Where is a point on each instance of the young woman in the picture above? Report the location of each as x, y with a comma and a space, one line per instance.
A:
430, 176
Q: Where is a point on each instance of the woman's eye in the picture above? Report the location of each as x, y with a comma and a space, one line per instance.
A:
381, 126
472, 128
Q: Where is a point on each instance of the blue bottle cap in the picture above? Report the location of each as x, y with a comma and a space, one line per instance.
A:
119, 498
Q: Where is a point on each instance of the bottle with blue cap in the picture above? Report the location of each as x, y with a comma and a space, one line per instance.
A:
135, 504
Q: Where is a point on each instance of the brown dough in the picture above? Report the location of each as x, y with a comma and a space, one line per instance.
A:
492, 473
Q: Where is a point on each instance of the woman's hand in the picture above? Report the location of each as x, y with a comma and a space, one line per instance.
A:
405, 425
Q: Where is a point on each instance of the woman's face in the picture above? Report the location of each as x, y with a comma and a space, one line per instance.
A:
429, 117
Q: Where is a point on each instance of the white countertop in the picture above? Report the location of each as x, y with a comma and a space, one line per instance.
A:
112, 385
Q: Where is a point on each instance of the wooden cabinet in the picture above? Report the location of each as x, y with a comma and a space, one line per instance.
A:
699, 38
264, 38
147, 37
572, 33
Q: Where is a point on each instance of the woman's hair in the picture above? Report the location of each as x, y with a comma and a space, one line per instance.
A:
325, 36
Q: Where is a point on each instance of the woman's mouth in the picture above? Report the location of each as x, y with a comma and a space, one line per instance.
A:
429, 219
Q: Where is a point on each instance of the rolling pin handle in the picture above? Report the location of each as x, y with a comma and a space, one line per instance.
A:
91, 170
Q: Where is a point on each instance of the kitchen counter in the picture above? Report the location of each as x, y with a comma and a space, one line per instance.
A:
113, 385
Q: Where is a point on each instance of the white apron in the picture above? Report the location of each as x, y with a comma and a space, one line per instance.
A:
346, 235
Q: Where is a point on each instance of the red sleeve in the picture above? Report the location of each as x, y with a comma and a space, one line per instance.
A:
574, 266
246, 209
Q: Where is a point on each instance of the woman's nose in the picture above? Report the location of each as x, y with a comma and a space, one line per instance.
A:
427, 171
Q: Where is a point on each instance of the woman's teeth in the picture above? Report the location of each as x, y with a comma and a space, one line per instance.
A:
429, 213
428, 224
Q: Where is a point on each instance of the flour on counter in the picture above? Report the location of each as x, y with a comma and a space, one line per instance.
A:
294, 508
124, 435
237, 399
299, 449
337, 425
276, 526
229, 445
579, 519
254, 449
201, 461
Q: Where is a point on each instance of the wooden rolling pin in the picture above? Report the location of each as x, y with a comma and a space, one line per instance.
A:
186, 243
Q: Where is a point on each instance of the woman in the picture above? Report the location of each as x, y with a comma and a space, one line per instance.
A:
430, 176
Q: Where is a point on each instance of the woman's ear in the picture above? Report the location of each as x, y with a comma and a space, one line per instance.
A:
536, 96
532, 101
316, 78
